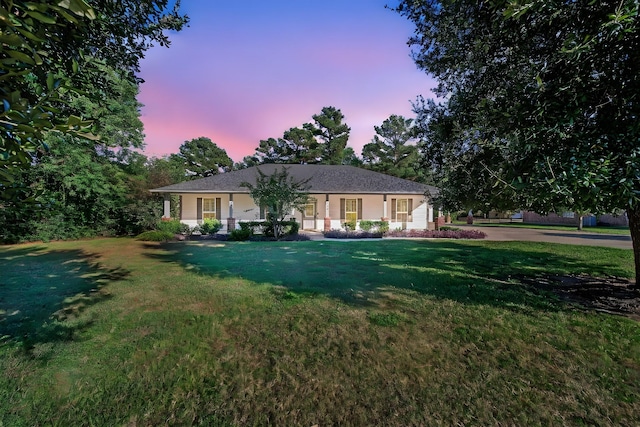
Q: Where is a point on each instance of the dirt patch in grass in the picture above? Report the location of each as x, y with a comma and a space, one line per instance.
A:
612, 295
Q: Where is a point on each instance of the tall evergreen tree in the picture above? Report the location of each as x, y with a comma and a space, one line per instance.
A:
320, 142
201, 158
350, 158
331, 133
393, 150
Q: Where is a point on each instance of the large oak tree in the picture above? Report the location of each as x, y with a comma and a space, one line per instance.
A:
50, 50
541, 101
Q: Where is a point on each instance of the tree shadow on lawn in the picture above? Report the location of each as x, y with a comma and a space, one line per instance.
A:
43, 292
371, 273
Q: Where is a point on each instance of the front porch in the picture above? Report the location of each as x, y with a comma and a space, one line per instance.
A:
324, 212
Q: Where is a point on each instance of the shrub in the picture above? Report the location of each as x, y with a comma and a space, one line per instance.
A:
266, 227
250, 226
383, 226
58, 228
366, 225
155, 236
291, 227
211, 226
184, 228
172, 226
447, 228
240, 235
349, 225
296, 238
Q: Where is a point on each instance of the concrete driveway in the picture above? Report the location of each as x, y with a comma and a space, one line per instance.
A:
553, 236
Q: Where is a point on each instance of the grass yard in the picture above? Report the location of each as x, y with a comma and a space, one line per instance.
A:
391, 332
619, 230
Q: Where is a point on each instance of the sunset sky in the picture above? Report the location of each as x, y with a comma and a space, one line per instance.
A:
246, 71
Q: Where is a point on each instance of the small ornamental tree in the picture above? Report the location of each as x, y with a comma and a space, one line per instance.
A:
278, 194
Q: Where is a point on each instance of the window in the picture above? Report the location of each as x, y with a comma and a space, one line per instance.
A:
310, 210
402, 210
351, 210
208, 208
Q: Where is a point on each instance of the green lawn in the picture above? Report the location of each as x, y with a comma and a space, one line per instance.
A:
391, 332
620, 230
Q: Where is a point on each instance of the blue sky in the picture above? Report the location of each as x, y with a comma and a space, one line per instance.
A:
246, 71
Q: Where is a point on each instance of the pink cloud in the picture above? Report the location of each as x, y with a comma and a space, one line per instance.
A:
239, 77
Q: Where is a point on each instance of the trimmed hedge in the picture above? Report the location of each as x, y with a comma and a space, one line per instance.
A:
341, 234
266, 227
155, 236
381, 226
172, 226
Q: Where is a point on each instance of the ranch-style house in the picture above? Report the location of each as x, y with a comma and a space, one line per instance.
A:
337, 194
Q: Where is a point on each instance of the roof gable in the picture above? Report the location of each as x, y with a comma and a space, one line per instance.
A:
322, 179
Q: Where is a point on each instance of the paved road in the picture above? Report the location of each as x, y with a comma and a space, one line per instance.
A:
553, 236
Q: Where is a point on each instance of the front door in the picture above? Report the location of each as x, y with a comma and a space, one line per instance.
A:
309, 217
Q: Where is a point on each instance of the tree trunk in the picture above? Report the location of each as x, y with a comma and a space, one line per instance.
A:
634, 227
580, 220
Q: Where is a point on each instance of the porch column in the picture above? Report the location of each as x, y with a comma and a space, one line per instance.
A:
166, 211
327, 217
384, 206
431, 225
231, 221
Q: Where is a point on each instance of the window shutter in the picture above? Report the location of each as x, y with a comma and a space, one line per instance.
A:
410, 208
218, 208
199, 210
261, 212
343, 215
359, 209
180, 203
393, 209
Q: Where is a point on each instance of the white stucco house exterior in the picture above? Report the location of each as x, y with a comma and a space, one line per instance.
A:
337, 194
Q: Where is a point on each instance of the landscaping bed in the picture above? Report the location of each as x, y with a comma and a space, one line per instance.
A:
444, 233
439, 234
342, 234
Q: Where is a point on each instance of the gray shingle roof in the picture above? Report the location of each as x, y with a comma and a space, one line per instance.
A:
322, 179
